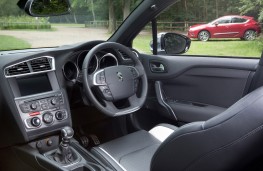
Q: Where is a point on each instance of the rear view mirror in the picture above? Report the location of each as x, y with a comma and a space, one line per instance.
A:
171, 44
45, 8
174, 43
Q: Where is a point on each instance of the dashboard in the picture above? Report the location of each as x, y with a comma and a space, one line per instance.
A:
34, 98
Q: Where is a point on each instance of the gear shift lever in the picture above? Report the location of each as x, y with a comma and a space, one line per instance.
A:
66, 134
64, 154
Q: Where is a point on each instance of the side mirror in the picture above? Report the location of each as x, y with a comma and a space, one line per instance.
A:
174, 43
216, 24
171, 44
45, 8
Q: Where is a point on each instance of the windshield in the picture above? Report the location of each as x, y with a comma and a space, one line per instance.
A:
89, 20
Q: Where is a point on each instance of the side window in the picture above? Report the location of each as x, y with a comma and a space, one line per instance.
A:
194, 21
143, 40
238, 20
224, 21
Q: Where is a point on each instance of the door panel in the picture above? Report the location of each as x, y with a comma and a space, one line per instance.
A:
222, 31
198, 88
214, 86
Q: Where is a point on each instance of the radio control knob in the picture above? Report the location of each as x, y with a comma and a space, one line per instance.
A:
33, 106
53, 101
59, 115
35, 121
47, 117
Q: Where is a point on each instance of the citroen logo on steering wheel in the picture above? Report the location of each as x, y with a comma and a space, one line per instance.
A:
120, 76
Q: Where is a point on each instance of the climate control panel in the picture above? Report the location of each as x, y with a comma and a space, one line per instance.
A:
42, 111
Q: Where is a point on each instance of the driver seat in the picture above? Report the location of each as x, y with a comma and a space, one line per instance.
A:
229, 141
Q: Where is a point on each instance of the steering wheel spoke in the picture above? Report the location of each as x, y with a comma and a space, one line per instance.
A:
98, 78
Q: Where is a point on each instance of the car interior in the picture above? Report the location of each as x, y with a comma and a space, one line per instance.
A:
102, 105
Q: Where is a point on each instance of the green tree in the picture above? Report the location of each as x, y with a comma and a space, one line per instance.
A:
9, 7
88, 4
112, 17
253, 8
126, 8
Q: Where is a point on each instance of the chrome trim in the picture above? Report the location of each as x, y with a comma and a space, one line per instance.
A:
97, 64
95, 76
136, 54
226, 33
128, 111
31, 72
109, 55
63, 70
32, 127
112, 158
80, 53
95, 56
168, 107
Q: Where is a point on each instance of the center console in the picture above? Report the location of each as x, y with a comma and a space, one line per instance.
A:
42, 110
41, 103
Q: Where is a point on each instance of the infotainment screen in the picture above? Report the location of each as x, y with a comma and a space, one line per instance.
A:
34, 84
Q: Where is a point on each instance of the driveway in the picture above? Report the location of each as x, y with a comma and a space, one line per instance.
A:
62, 35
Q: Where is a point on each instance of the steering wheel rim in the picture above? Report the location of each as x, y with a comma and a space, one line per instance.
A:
89, 81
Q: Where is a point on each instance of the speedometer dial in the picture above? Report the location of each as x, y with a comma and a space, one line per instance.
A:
93, 63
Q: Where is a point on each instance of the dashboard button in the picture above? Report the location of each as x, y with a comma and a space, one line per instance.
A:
24, 108
44, 106
43, 101
36, 122
100, 78
48, 118
106, 93
59, 115
53, 101
33, 106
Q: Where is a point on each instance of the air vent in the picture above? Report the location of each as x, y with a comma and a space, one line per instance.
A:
21, 68
41, 64
32, 66
124, 55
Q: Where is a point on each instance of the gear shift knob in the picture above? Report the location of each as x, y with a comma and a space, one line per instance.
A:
66, 134
64, 154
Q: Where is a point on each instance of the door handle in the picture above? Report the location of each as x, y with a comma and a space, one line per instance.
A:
157, 67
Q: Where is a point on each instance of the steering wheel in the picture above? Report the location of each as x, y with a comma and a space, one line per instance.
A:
115, 83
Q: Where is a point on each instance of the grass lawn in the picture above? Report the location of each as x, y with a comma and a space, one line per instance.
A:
230, 47
224, 47
10, 42
142, 43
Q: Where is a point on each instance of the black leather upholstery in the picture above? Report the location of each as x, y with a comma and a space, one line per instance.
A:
228, 141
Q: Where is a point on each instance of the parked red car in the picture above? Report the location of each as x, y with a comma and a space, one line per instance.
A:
233, 26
